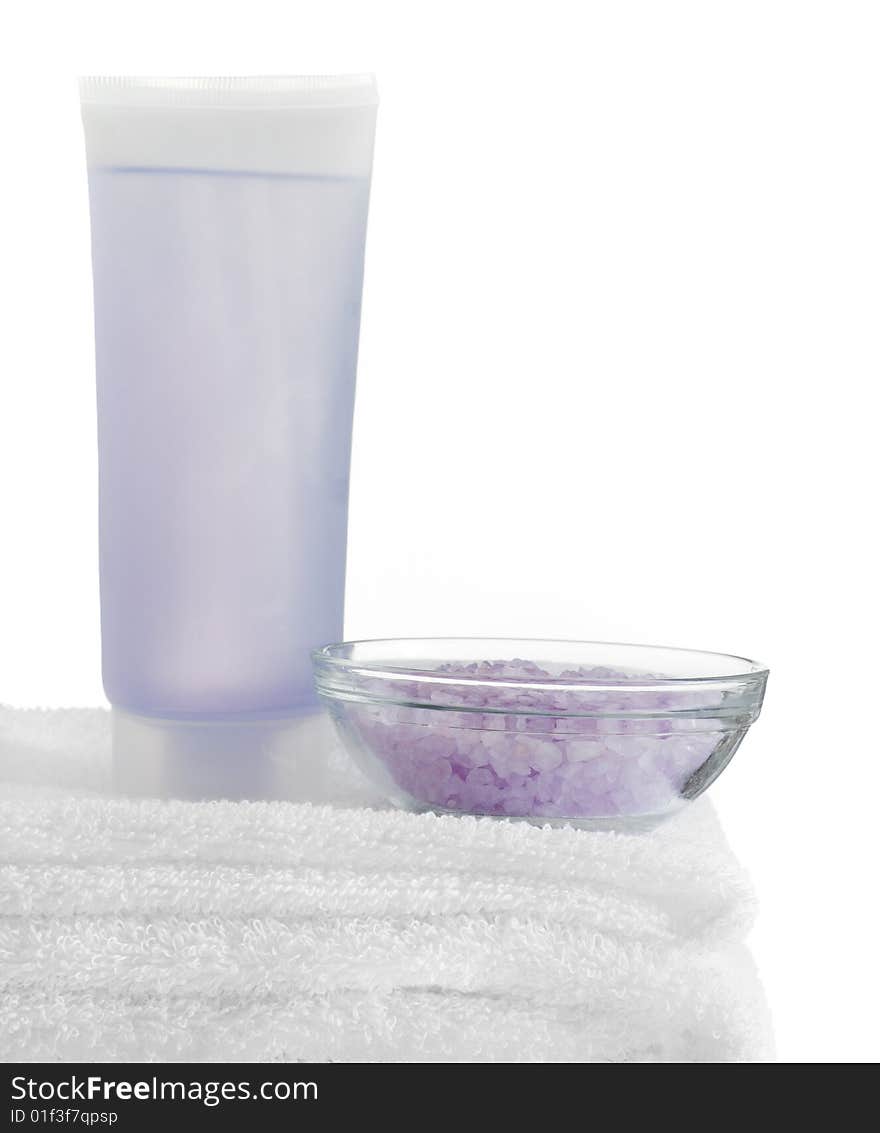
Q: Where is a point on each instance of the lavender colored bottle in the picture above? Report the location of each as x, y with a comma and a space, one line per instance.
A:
228, 229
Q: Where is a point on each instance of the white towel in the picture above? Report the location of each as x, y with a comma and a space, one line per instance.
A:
147, 930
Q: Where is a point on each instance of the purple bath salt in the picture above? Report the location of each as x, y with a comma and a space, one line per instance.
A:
554, 751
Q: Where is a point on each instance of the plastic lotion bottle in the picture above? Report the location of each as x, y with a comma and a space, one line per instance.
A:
228, 226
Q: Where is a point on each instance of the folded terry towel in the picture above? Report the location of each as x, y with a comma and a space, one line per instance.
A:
142, 930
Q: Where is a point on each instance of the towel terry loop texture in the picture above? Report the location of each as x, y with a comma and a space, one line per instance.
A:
345, 931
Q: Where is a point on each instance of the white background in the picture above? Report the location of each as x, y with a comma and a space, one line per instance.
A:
618, 375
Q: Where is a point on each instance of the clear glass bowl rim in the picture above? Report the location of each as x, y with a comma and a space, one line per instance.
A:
338, 674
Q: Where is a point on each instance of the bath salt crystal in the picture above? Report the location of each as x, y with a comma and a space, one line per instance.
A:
529, 754
511, 757
579, 751
545, 755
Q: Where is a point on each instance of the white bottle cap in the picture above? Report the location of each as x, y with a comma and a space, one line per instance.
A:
233, 758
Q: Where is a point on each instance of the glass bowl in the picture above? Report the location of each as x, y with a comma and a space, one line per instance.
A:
592, 733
